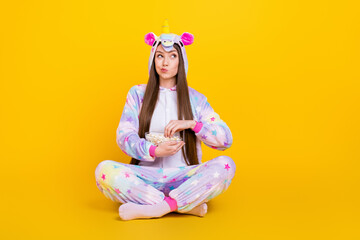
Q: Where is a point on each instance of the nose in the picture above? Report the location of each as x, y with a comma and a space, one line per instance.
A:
166, 61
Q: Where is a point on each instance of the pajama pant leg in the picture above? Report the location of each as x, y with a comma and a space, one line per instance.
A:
204, 182
124, 183
190, 186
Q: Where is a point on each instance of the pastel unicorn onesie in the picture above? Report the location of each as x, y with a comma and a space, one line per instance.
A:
156, 179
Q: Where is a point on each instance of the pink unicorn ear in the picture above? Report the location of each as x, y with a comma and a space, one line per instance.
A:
150, 38
187, 38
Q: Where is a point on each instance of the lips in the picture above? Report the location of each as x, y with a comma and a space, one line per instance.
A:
164, 70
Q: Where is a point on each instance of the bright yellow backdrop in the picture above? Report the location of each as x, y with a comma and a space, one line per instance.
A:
284, 75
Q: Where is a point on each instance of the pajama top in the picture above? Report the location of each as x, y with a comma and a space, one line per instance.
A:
210, 128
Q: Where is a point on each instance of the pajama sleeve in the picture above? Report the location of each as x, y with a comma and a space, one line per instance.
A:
127, 136
211, 129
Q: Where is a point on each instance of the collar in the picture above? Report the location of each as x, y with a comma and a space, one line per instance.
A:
167, 89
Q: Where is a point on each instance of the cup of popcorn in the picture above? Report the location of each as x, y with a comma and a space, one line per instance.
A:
158, 137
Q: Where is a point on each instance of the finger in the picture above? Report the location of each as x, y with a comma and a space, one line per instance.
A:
172, 143
175, 146
170, 129
180, 147
173, 131
167, 130
180, 144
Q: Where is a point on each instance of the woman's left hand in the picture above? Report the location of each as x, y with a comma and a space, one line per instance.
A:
177, 126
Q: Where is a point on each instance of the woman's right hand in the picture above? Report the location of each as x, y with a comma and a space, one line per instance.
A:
168, 148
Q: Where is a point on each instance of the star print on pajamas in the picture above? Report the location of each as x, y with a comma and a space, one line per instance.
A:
194, 182
227, 167
211, 129
190, 186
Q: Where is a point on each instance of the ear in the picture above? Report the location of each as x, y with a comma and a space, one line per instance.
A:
187, 38
150, 38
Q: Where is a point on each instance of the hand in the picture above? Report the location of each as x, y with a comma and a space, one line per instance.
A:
177, 126
168, 148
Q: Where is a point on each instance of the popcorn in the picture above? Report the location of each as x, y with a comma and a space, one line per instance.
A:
157, 138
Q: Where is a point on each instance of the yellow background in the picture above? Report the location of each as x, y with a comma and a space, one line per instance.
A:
284, 76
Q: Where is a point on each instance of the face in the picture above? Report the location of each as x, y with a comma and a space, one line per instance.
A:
166, 60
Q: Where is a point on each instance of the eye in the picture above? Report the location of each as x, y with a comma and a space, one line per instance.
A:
174, 55
159, 55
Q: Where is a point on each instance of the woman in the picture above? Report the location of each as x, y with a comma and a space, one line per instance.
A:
161, 179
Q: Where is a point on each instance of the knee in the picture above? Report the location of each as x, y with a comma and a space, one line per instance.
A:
101, 166
225, 162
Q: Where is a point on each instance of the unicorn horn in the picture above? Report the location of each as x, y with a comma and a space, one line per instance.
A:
165, 27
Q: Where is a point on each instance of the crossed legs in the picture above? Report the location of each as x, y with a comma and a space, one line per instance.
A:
139, 188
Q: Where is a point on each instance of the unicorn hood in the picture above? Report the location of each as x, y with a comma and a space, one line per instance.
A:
167, 40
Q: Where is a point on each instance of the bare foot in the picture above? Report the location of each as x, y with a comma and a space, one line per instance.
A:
200, 210
129, 211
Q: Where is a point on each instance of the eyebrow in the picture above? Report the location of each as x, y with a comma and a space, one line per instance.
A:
169, 52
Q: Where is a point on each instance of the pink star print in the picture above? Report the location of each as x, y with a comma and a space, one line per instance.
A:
127, 175
103, 177
212, 119
117, 190
227, 167
129, 191
173, 180
126, 139
165, 176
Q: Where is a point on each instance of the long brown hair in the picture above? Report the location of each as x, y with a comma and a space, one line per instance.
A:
184, 109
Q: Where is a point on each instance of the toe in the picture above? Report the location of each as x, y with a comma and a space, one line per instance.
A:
204, 209
122, 212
